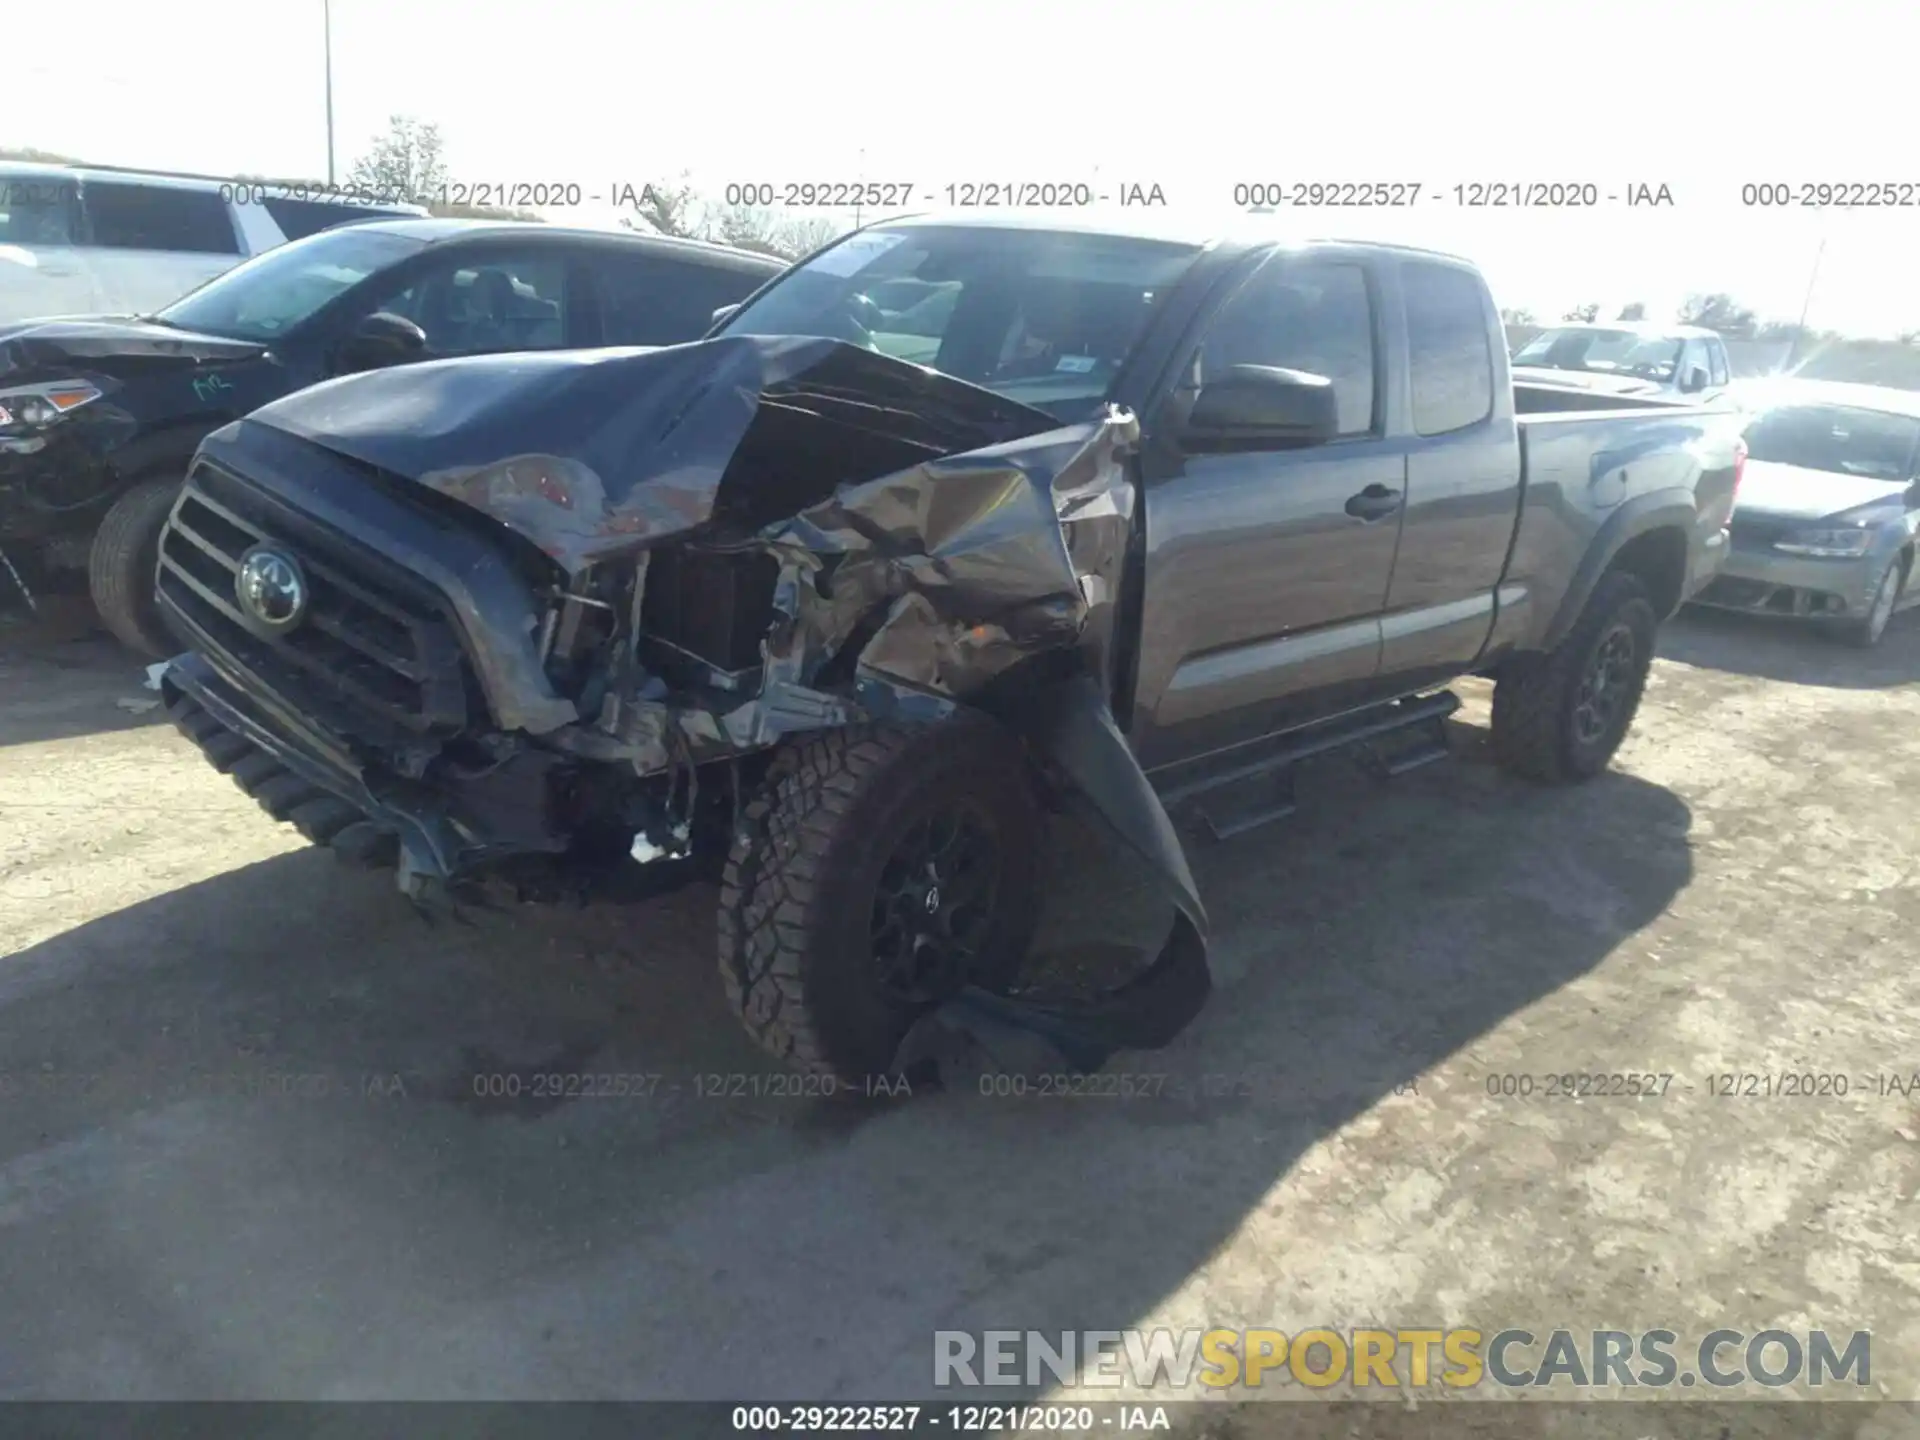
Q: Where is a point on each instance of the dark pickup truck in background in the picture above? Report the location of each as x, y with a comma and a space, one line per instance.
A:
1142, 521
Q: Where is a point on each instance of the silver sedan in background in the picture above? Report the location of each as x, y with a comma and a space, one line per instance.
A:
1823, 528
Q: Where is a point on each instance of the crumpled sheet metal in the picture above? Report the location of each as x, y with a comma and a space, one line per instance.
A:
593, 454
1002, 548
980, 562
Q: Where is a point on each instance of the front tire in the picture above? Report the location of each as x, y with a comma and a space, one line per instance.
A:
1868, 631
879, 870
1559, 717
121, 566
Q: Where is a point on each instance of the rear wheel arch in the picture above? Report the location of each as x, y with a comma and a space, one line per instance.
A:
1649, 531
1658, 557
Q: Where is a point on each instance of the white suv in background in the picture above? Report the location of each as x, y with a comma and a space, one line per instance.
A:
83, 240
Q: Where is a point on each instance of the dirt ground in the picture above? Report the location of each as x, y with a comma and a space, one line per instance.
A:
242, 1153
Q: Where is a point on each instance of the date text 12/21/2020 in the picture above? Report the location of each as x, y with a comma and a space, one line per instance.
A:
1469, 195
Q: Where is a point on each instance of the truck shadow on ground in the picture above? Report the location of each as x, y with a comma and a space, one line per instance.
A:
293, 1116
1795, 653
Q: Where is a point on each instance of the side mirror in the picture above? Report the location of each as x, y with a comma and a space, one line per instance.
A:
1693, 381
722, 314
1264, 402
382, 339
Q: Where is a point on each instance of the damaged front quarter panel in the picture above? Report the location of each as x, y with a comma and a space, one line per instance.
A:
936, 546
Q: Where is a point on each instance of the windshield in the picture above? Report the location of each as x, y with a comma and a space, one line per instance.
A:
271, 293
1042, 317
1836, 438
1605, 352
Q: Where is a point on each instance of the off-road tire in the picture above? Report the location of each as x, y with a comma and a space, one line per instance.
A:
797, 892
1535, 697
121, 565
323, 818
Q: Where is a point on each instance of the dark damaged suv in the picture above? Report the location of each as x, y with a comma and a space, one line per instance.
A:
950, 526
99, 415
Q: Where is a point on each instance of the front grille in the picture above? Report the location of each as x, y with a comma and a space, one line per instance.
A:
375, 655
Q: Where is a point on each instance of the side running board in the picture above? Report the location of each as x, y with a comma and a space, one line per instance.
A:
1391, 739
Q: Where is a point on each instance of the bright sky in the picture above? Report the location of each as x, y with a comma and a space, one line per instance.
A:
1196, 96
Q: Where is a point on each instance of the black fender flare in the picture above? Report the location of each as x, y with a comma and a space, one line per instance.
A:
1668, 508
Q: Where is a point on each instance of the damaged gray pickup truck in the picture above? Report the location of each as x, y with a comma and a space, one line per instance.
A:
953, 525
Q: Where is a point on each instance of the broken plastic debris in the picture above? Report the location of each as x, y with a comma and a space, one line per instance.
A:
155, 672
136, 705
646, 852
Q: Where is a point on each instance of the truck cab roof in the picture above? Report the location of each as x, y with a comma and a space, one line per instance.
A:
1240, 233
437, 230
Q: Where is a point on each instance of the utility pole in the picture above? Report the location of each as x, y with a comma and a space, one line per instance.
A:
1793, 353
326, 16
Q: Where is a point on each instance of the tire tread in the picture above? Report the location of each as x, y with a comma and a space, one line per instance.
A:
120, 566
1530, 735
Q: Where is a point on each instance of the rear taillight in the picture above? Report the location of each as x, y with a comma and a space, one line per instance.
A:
1739, 474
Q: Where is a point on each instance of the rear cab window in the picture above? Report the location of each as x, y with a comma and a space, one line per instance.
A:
131, 216
1449, 351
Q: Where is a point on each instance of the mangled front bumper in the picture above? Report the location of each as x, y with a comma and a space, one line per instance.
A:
432, 841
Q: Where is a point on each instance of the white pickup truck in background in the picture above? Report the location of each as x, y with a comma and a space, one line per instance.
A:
1628, 357
86, 240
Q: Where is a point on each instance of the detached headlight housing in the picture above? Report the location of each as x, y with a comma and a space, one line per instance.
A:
35, 407
1830, 542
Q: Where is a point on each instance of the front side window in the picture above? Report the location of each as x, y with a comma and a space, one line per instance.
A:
1311, 316
1695, 358
1045, 318
1716, 363
485, 306
265, 297
1448, 350
158, 217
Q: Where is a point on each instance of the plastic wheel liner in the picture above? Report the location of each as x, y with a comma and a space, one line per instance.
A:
969, 550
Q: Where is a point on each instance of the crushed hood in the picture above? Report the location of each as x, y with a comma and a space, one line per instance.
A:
592, 454
95, 342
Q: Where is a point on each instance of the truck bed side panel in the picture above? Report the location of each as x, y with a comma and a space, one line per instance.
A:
1590, 483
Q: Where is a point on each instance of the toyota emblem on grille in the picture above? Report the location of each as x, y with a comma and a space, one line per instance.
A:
271, 588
